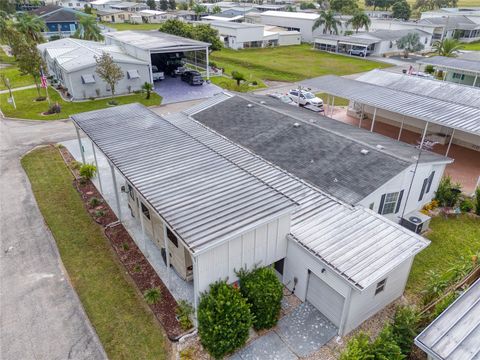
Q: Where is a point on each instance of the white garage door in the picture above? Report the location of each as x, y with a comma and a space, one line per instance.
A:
325, 299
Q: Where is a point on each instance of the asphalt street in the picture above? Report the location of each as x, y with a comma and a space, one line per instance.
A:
41, 316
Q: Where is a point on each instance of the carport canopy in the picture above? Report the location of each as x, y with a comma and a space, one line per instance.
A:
452, 115
346, 40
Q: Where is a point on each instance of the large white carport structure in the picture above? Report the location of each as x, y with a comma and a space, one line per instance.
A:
455, 115
145, 44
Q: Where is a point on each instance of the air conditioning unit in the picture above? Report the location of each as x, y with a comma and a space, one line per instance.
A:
416, 222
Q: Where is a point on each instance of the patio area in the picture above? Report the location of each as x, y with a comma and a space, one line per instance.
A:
180, 289
465, 169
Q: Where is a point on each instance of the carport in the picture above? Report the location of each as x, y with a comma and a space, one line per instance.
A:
343, 44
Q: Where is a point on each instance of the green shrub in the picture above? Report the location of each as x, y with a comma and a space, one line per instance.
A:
358, 348
429, 69
75, 164
184, 312
125, 246
264, 293
447, 193
94, 202
152, 296
99, 213
443, 304
466, 205
112, 102
477, 200
405, 326
385, 346
88, 171
224, 319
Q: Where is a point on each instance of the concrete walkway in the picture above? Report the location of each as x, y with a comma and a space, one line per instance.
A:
41, 316
18, 89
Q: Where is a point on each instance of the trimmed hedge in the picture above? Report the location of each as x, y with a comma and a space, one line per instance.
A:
224, 319
264, 293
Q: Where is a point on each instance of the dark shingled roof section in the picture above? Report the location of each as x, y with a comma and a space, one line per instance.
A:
53, 13
326, 153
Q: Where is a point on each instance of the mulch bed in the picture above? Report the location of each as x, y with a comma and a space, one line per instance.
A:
137, 266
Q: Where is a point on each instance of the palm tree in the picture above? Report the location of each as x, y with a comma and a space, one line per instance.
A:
148, 87
447, 47
88, 29
31, 26
199, 10
359, 20
328, 20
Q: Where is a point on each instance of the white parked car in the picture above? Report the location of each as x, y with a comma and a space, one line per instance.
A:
157, 75
305, 98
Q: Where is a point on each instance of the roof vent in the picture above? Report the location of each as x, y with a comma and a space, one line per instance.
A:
380, 147
335, 180
364, 151
249, 105
296, 124
312, 120
262, 102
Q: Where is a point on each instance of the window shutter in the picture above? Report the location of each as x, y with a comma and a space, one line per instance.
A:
399, 201
382, 200
424, 186
430, 180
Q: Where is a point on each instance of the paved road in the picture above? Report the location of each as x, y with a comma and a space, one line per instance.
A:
40, 314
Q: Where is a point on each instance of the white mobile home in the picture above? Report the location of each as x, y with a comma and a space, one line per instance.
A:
459, 71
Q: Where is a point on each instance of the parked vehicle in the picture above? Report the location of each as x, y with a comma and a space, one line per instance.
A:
359, 51
305, 98
192, 77
157, 74
179, 71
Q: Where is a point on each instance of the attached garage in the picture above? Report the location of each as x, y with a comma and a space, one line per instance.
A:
326, 299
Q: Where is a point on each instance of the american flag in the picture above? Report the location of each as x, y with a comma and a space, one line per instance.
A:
43, 78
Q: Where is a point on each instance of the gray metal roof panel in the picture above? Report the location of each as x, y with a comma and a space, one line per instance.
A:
457, 116
452, 63
455, 333
155, 155
358, 244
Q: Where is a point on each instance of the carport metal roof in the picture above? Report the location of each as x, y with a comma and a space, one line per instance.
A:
356, 243
156, 41
205, 198
350, 40
448, 63
453, 115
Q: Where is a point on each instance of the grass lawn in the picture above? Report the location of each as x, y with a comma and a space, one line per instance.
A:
125, 327
338, 100
450, 239
126, 26
230, 84
471, 46
289, 63
4, 59
16, 78
27, 108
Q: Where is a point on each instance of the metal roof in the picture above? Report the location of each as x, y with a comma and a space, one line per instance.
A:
358, 244
346, 39
204, 197
455, 333
156, 41
462, 65
441, 112
291, 15
437, 89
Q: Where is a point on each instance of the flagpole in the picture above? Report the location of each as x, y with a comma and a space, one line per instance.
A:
46, 92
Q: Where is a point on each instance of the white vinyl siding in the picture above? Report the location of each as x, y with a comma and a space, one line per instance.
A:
328, 301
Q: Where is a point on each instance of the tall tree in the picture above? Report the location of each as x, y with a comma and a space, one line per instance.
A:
199, 10
32, 26
401, 10
410, 43
382, 4
29, 61
172, 5
205, 33
344, 6
88, 29
447, 47
151, 4
216, 9
329, 22
359, 20
87, 9
177, 27
108, 71
164, 5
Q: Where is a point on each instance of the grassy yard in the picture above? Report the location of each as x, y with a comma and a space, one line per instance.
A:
472, 46
289, 63
450, 239
338, 100
126, 26
28, 108
16, 78
4, 59
230, 84
125, 327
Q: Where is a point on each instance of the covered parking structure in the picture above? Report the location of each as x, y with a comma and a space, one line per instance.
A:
344, 44
165, 51
460, 71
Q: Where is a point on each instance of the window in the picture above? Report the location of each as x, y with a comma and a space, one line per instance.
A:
130, 191
88, 79
380, 286
133, 74
430, 180
424, 187
390, 202
171, 236
145, 211
458, 76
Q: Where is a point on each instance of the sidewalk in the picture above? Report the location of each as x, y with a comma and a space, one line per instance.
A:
18, 89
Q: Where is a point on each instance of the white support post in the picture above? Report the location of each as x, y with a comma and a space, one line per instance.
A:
401, 128
167, 254
142, 224
333, 106
80, 144
327, 110
475, 80
208, 66
195, 286
98, 169
115, 188
373, 119
423, 136
450, 143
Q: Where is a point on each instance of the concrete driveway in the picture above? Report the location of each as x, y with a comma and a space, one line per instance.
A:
41, 316
175, 90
